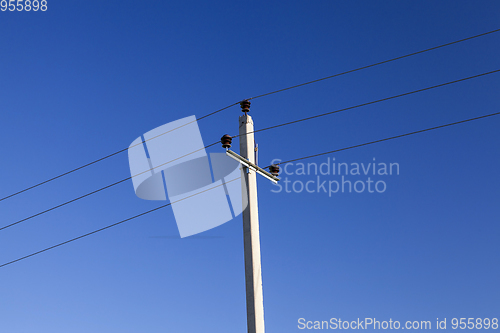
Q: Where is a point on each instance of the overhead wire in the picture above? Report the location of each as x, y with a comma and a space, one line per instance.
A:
255, 97
369, 103
110, 155
389, 138
98, 190
259, 130
376, 64
284, 162
111, 225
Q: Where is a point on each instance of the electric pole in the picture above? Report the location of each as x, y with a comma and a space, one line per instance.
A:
251, 238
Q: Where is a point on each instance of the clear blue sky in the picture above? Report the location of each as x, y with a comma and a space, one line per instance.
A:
85, 78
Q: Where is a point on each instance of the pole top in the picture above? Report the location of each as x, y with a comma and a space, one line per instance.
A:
245, 105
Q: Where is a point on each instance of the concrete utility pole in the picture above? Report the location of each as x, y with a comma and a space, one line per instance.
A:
251, 238
253, 274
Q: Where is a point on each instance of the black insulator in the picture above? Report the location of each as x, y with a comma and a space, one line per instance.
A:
245, 105
226, 141
274, 169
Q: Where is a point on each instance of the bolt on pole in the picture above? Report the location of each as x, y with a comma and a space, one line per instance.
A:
251, 238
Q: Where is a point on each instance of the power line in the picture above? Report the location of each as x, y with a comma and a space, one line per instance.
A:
108, 156
110, 226
296, 159
263, 129
391, 138
255, 97
372, 102
98, 190
376, 64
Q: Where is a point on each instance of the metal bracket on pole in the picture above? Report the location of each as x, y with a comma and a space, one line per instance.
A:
252, 166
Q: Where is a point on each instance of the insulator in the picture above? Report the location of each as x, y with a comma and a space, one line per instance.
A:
274, 169
226, 141
245, 105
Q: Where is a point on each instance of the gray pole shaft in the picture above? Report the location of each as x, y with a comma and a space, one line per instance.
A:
253, 275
